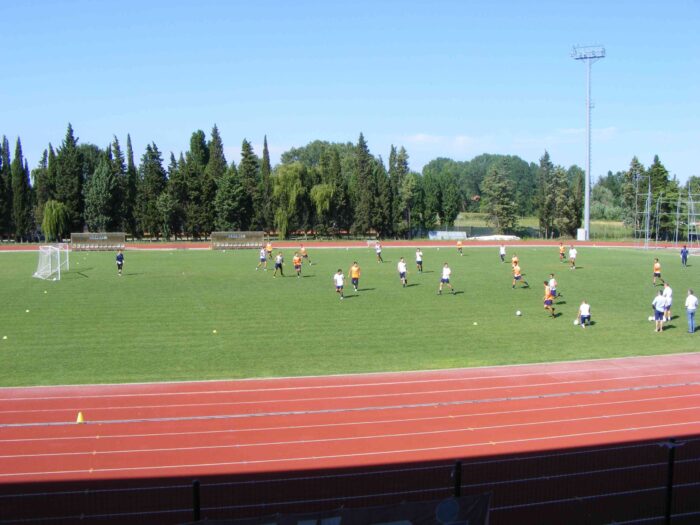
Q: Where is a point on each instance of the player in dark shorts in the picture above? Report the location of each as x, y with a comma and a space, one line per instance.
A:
120, 262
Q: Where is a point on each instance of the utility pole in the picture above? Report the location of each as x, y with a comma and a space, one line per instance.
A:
589, 54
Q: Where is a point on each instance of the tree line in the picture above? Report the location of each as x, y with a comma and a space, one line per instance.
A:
328, 188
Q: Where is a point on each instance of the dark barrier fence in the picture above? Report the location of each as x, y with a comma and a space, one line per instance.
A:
648, 482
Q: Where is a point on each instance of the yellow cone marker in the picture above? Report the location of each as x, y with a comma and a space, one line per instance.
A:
80, 418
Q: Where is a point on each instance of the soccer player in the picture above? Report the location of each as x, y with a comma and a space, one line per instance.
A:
120, 262
561, 252
684, 256
572, 257
659, 305
691, 305
401, 267
445, 279
279, 264
339, 280
263, 260
657, 272
553, 285
548, 299
514, 261
518, 276
419, 260
268, 250
355, 275
304, 254
296, 261
668, 294
584, 314
502, 253
459, 248
378, 251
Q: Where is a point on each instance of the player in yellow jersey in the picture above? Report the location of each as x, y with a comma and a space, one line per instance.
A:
296, 261
514, 261
459, 248
354, 273
657, 272
268, 250
304, 254
548, 299
562, 252
518, 276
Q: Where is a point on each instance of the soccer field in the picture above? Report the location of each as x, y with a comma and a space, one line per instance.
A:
157, 322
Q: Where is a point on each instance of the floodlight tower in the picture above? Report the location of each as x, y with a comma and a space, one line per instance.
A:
589, 54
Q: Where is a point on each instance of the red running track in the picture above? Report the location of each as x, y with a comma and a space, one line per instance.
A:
388, 436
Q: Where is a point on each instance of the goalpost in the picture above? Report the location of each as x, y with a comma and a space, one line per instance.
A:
53, 260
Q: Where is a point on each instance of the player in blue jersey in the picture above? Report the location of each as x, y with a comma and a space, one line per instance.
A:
120, 262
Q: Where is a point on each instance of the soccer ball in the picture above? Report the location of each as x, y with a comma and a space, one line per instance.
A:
518, 313
575, 322
651, 318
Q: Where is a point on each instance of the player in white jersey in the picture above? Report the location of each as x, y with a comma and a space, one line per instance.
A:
401, 268
584, 314
339, 280
378, 251
445, 279
419, 260
502, 253
668, 294
263, 260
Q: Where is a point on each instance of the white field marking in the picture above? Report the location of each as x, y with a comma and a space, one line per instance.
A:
339, 398
653, 366
542, 369
355, 438
288, 460
344, 424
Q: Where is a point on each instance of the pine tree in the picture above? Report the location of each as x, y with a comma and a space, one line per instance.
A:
99, 192
249, 177
401, 172
177, 188
152, 182
634, 182
117, 206
22, 216
39, 184
6, 228
366, 188
546, 196
229, 201
382, 213
213, 173
69, 179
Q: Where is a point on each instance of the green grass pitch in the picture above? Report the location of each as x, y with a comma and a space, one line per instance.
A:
157, 322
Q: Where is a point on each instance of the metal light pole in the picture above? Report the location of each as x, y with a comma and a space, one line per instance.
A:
590, 54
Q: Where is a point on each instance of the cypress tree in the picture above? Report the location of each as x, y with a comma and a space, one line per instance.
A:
131, 192
117, 203
249, 176
545, 195
266, 215
21, 197
99, 191
365, 188
152, 182
5, 189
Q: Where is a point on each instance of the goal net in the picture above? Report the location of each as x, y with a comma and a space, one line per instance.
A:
53, 260
237, 240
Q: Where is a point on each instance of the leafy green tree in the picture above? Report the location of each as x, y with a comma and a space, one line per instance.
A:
498, 199
56, 221
99, 191
166, 206
322, 197
409, 195
152, 183
69, 179
287, 189
6, 228
22, 216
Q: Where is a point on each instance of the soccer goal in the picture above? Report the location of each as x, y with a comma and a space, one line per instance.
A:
237, 240
53, 260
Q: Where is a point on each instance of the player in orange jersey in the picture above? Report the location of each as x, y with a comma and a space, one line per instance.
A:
514, 261
459, 247
304, 254
268, 249
296, 261
354, 273
657, 272
518, 276
562, 252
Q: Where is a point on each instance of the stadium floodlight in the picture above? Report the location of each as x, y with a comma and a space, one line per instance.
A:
589, 54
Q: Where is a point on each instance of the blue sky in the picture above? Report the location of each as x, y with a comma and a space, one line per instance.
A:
443, 78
